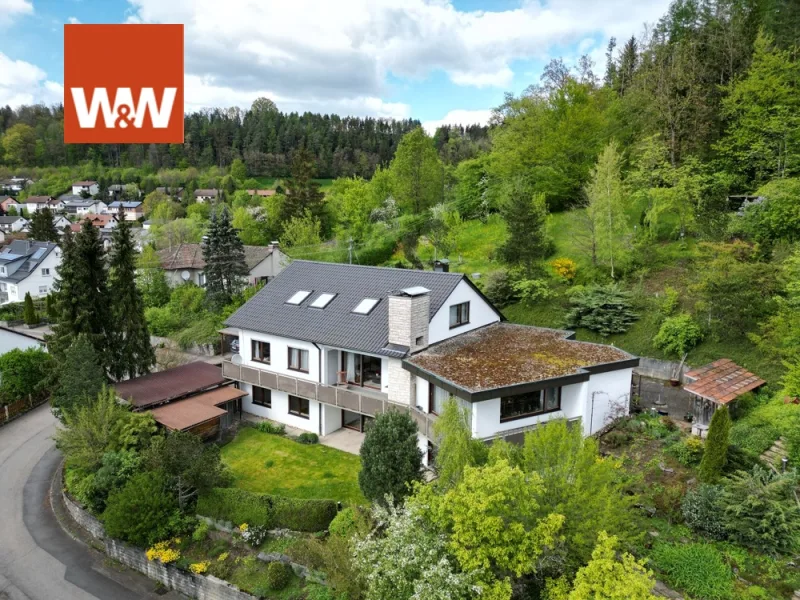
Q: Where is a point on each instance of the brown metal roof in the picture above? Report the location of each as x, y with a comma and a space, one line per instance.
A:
722, 381
185, 414
157, 388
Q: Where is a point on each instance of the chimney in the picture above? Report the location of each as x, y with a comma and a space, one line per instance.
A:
409, 316
441, 266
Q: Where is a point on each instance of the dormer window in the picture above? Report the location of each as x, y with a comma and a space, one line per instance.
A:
323, 300
298, 297
365, 306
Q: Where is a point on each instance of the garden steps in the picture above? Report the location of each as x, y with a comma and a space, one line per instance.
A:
775, 454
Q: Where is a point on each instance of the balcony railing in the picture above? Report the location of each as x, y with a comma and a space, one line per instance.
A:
365, 401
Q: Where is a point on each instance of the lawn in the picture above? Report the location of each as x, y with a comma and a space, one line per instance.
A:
273, 464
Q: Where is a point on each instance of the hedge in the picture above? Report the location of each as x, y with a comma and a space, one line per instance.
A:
276, 512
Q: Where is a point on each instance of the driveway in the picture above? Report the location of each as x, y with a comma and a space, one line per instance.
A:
38, 560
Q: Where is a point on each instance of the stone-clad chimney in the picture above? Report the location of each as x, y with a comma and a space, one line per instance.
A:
409, 316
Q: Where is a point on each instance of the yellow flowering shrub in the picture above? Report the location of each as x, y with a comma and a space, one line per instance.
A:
223, 557
199, 568
163, 552
566, 268
243, 527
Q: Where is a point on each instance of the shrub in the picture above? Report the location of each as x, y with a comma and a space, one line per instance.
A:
760, 510
199, 568
30, 315
390, 457
716, 450
142, 512
688, 452
498, 287
278, 575
200, 532
702, 510
565, 268
754, 433
273, 428
671, 301
163, 552
240, 506
344, 523
255, 535
698, 569
308, 438
531, 291
617, 438
678, 335
605, 309
22, 373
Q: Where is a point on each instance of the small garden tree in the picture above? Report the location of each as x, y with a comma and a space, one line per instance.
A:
678, 335
716, 449
23, 374
80, 377
390, 457
457, 447
29, 313
605, 309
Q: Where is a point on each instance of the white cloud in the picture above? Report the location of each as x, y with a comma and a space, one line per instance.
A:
459, 117
73, 21
24, 83
10, 9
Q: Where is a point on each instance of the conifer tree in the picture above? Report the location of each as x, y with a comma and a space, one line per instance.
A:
80, 377
716, 449
302, 192
43, 227
29, 311
81, 294
223, 253
131, 353
525, 215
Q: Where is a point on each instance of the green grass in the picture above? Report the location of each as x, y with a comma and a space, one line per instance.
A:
298, 470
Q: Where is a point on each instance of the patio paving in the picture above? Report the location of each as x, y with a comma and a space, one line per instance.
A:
344, 439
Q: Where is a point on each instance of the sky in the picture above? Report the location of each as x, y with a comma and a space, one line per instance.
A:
439, 61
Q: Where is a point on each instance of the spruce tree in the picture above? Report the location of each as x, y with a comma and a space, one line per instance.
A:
525, 215
29, 311
130, 352
302, 192
716, 449
43, 226
80, 377
81, 294
223, 253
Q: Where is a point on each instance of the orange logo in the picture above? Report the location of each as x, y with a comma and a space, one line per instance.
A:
123, 84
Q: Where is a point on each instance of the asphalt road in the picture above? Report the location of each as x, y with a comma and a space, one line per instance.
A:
38, 560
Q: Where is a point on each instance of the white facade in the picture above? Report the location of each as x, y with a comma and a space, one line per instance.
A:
39, 283
90, 187
11, 340
18, 224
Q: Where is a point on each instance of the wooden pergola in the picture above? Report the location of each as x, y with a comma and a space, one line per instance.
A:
717, 384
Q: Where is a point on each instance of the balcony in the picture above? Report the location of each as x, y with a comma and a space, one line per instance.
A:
349, 397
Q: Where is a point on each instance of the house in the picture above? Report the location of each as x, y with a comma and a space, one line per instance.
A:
12, 224
134, 209
7, 202
15, 184
175, 192
60, 221
185, 263
27, 267
76, 205
262, 193
102, 222
85, 187
326, 346
194, 397
34, 203
205, 195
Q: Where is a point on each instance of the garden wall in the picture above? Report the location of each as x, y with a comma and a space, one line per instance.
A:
9, 412
202, 587
658, 369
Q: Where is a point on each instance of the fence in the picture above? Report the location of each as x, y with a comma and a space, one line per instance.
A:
11, 411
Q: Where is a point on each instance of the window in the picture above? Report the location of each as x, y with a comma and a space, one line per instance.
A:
298, 407
262, 396
45, 272
298, 297
436, 399
323, 300
298, 360
43, 289
2, 270
261, 351
459, 314
529, 405
365, 306
201, 279
362, 370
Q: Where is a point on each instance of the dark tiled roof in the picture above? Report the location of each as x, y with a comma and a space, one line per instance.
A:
6, 219
23, 257
157, 388
131, 204
504, 354
38, 199
336, 324
84, 183
722, 381
190, 256
205, 192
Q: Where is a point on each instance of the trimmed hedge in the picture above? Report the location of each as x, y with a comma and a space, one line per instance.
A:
275, 512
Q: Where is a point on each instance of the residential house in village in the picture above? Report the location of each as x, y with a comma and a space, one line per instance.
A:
194, 397
34, 203
60, 221
27, 267
12, 224
15, 184
76, 205
262, 193
105, 223
133, 209
205, 195
7, 202
85, 187
326, 346
174, 192
185, 263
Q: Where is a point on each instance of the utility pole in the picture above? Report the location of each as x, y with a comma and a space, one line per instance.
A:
350, 252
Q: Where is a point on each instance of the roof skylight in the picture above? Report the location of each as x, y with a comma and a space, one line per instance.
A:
365, 306
298, 297
323, 300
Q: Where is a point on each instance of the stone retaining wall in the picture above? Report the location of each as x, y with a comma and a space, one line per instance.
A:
658, 369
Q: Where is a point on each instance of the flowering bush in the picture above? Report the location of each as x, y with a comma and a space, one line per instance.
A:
199, 568
255, 535
223, 557
566, 268
163, 551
